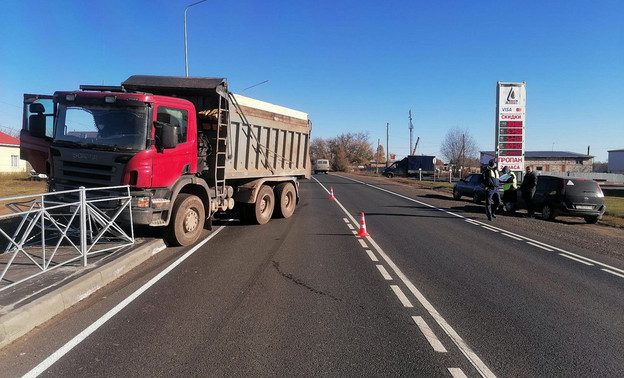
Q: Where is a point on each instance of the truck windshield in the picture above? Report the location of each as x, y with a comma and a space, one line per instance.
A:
107, 127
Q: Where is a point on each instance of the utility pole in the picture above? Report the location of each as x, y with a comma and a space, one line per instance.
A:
411, 128
377, 165
185, 45
387, 146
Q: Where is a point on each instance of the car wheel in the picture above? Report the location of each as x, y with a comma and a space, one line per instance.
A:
456, 194
548, 212
389, 175
592, 220
475, 198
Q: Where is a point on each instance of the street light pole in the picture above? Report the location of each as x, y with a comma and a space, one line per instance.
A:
185, 44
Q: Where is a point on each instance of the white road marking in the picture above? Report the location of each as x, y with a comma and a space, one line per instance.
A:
384, 273
490, 228
372, 255
536, 242
350, 226
54, 357
399, 293
363, 243
429, 335
540, 246
459, 342
346, 220
457, 373
614, 273
575, 259
511, 236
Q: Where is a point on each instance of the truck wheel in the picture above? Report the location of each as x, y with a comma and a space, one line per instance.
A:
187, 220
265, 203
286, 200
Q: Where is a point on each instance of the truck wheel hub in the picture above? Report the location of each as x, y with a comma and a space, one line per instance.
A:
191, 221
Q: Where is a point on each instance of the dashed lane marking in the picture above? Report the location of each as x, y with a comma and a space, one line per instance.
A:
372, 255
384, 273
402, 297
429, 335
575, 259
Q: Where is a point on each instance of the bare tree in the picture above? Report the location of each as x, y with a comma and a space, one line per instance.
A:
319, 149
350, 149
458, 147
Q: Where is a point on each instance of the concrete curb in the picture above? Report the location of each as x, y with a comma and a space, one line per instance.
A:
22, 320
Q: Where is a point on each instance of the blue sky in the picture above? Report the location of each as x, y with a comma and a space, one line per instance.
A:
352, 65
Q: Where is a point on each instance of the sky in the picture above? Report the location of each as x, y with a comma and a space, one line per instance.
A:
353, 66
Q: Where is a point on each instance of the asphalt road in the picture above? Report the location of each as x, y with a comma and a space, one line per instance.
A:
432, 293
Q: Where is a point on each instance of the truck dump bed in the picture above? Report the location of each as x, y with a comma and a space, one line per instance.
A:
275, 142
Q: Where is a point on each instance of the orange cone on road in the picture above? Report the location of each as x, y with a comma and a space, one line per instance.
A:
331, 193
362, 227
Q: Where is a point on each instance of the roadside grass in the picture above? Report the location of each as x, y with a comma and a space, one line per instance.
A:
16, 185
613, 216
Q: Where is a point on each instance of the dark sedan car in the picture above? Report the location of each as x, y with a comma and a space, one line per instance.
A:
470, 186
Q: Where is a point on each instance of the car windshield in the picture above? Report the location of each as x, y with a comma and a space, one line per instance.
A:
107, 127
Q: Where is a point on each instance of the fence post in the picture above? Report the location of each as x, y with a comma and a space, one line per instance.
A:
83, 225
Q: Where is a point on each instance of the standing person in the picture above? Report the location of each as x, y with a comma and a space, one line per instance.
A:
510, 186
491, 183
529, 183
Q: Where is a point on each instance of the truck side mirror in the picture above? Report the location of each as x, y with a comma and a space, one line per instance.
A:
166, 136
37, 121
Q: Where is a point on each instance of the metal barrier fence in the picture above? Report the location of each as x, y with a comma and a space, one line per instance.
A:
55, 229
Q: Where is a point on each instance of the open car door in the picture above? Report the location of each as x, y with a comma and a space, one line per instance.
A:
37, 131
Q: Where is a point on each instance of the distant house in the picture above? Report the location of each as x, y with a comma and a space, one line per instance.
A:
10, 155
552, 161
616, 161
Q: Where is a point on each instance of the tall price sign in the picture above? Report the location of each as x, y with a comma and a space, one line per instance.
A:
510, 125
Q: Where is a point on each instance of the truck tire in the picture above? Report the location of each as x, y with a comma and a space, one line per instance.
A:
187, 220
286, 200
265, 203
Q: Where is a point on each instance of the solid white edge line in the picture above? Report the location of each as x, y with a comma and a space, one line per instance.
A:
490, 228
363, 243
372, 255
511, 236
59, 353
611, 272
575, 259
467, 219
459, 342
429, 335
540, 246
384, 272
457, 373
401, 295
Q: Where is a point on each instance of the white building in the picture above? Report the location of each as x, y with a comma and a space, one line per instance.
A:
10, 155
616, 161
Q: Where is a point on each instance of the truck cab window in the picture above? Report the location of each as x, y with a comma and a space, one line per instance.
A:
177, 117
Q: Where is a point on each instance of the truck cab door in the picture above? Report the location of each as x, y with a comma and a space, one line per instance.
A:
37, 131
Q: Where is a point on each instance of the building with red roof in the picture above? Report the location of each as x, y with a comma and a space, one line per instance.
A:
10, 154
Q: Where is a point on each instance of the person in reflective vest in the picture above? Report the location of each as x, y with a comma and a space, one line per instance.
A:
510, 187
491, 183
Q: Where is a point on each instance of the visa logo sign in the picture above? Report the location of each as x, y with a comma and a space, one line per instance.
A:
511, 109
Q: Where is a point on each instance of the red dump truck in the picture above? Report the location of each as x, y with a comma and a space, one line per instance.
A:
187, 147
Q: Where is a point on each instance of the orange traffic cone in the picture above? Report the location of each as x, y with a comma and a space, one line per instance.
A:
331, 193
362, 227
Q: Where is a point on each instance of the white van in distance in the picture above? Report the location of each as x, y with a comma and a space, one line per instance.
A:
321, 165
